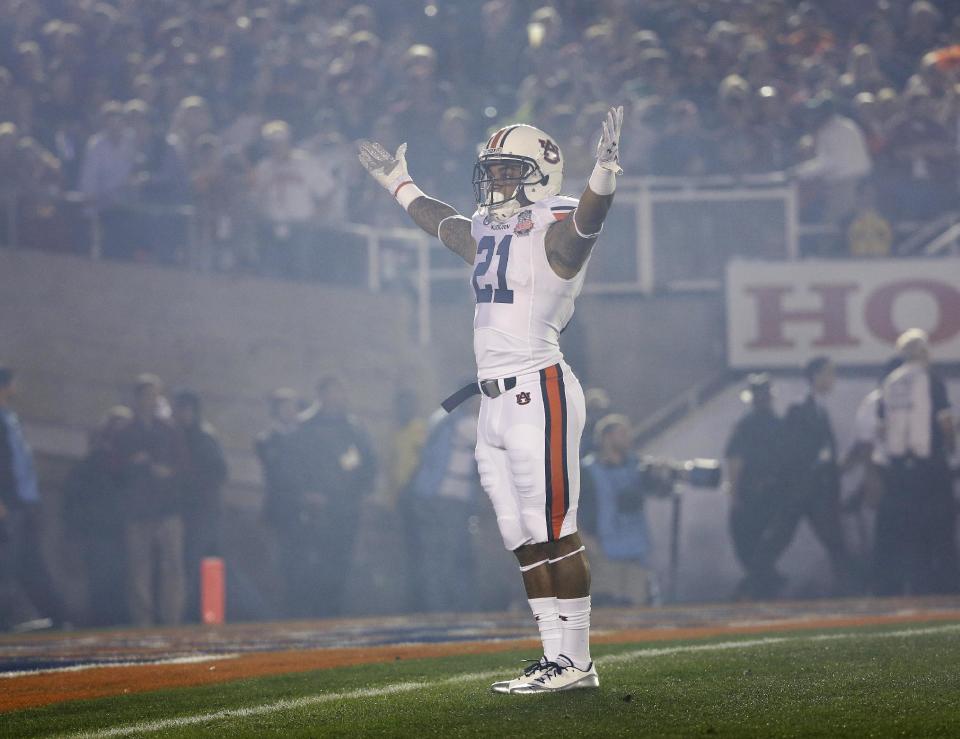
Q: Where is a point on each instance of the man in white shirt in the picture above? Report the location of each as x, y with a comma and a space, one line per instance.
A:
291, 189
840, 163
918, 506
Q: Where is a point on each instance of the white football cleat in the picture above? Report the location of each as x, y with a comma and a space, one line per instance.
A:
561, 675
531, 671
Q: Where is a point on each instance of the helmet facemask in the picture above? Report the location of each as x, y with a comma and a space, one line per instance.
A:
490, 200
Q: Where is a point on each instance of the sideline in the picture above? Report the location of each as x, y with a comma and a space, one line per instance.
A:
312, 700
190, 660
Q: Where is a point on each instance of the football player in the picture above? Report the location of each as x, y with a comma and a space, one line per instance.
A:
529, 247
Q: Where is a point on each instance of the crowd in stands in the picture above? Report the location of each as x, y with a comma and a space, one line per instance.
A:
245, 114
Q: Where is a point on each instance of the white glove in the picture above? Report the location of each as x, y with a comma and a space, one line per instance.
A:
608, 150
389, 170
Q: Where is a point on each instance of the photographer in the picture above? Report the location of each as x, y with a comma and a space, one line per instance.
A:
613, 487
755, 457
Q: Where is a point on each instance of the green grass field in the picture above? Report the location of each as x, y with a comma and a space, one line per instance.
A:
895, 681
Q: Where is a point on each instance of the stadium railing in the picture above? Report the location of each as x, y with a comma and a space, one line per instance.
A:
667, 234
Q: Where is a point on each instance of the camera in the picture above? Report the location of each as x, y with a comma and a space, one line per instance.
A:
663, 475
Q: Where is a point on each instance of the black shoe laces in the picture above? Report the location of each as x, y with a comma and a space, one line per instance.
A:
536, 665
552, 669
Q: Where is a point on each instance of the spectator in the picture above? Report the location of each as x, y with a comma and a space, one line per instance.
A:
869, 233
291, 188
224, 225
754, 463
614, 486
407, 444
275, 448
812, 474
810, 36
597, 404
867, 453
894, 62
93, 516
339, 472
159, 171
284, 512
733, 140
62, 126
683, 149
840, 162
923, 31
923, 161
147, 448
22, 561
201, 474
863, 71
16, 103
40, 222
866, 113
455, 145
772, 130
107, 181
160, 179
443, 497
501, 41
423, 99
9, 181
191, 120
919, 554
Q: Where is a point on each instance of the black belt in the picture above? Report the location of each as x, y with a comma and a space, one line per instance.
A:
490, 388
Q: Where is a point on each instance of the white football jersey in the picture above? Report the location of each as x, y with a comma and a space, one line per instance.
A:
522, 305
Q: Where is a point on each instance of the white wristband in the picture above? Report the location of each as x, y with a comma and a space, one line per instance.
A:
580, 233
602, 181
406, 192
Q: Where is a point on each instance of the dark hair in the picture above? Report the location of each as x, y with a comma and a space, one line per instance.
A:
188, 399
6, 375
815, 366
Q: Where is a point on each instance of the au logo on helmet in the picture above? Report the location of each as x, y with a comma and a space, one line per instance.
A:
551, 152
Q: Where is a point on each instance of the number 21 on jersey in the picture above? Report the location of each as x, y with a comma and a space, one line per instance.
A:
483, 282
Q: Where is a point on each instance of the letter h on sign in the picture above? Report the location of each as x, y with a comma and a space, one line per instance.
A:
772, 316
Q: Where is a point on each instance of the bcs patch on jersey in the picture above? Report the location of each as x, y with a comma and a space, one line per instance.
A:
524, 223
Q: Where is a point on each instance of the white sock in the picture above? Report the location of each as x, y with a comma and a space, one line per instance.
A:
548, 621
575, 622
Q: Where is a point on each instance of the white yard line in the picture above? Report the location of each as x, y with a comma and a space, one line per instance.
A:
192, 659
147, 727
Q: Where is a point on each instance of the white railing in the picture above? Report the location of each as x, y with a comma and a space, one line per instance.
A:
665, 233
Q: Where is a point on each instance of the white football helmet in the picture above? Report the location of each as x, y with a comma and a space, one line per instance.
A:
540, 173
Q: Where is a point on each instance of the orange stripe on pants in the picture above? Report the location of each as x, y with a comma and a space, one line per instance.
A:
558, 475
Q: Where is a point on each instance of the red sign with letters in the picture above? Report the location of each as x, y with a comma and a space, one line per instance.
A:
779, 314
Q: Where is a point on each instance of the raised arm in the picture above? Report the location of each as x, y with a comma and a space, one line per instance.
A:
433, 216
569, 242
